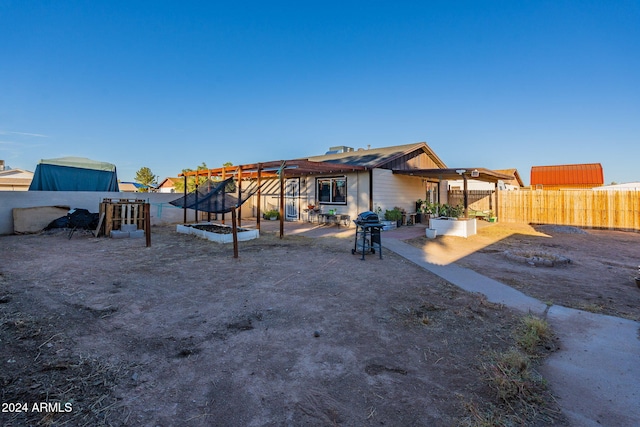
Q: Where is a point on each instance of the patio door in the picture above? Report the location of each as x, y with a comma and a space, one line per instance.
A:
292, 199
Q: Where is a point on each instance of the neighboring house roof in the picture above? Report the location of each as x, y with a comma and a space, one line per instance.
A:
377, 157
589, 174
517, 181
168, 182
625, 186
15, 177
130, 186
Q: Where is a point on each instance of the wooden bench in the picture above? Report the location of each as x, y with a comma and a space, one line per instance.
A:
471, 213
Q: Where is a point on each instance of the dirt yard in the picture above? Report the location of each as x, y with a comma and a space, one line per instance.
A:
590, 270
297, 331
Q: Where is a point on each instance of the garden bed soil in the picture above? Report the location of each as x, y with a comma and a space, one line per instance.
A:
218, 229
297, 331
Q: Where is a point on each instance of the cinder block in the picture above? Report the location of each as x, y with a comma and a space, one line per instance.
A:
117, 234
137, 234
128, 227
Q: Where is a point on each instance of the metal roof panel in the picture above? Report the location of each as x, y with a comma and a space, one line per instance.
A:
576, 174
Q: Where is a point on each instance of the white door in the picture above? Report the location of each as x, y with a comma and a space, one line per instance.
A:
292, 199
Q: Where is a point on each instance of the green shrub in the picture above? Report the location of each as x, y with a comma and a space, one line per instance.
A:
393, 215
271, 214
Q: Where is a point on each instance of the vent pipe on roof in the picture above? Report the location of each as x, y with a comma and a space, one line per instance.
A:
339, 149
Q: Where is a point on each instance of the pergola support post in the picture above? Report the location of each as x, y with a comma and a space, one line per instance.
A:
239, 178
282, 199
184, 209
259, 201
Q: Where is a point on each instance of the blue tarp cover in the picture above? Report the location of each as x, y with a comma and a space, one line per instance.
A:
89, 175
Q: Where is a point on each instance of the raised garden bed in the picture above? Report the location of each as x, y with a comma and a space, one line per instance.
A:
461, 227
217, 233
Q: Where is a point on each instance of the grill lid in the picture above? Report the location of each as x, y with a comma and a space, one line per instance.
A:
368, 217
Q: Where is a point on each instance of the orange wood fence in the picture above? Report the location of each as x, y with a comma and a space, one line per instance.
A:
480, 200
582, 208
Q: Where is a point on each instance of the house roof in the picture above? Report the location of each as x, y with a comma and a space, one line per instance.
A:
376, 157
516, 180
576, 174
170, 181
16, 173
347, 161
131, 186
16, 177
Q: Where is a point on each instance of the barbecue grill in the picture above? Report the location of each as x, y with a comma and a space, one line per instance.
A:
368, 228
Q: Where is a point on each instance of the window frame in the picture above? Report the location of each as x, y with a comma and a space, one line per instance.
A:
333, 183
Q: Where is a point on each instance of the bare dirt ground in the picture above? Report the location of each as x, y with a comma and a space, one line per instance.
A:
598, 277
297, 331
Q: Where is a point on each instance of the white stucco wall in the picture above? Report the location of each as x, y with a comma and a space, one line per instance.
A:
391, 190
161, 211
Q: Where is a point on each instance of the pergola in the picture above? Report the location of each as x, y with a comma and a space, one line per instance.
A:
280, 169
477, 174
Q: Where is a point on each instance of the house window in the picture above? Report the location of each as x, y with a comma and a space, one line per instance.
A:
332, 190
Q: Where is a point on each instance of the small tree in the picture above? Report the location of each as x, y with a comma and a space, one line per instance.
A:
191, 180
145, 177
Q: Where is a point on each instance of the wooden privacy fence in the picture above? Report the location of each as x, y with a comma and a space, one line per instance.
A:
582, 208
480, 200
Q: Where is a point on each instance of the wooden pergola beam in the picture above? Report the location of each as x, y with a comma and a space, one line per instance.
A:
293, 168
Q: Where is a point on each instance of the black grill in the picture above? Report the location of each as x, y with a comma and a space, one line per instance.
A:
368, 228
368, 218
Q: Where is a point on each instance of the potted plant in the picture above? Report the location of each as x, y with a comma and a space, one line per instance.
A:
431, 209
420, 205
271, 215
449, 223
450, 211
394, 214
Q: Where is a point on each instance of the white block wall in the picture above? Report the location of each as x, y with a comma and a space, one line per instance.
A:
161, 211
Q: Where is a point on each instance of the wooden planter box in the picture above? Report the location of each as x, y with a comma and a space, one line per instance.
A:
389, 225
462, 227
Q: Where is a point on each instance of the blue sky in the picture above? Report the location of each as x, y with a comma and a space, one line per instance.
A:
170, 85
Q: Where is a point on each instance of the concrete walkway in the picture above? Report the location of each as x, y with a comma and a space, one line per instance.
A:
596, 372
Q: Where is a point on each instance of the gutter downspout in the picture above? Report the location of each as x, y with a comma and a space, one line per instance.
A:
371, 190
